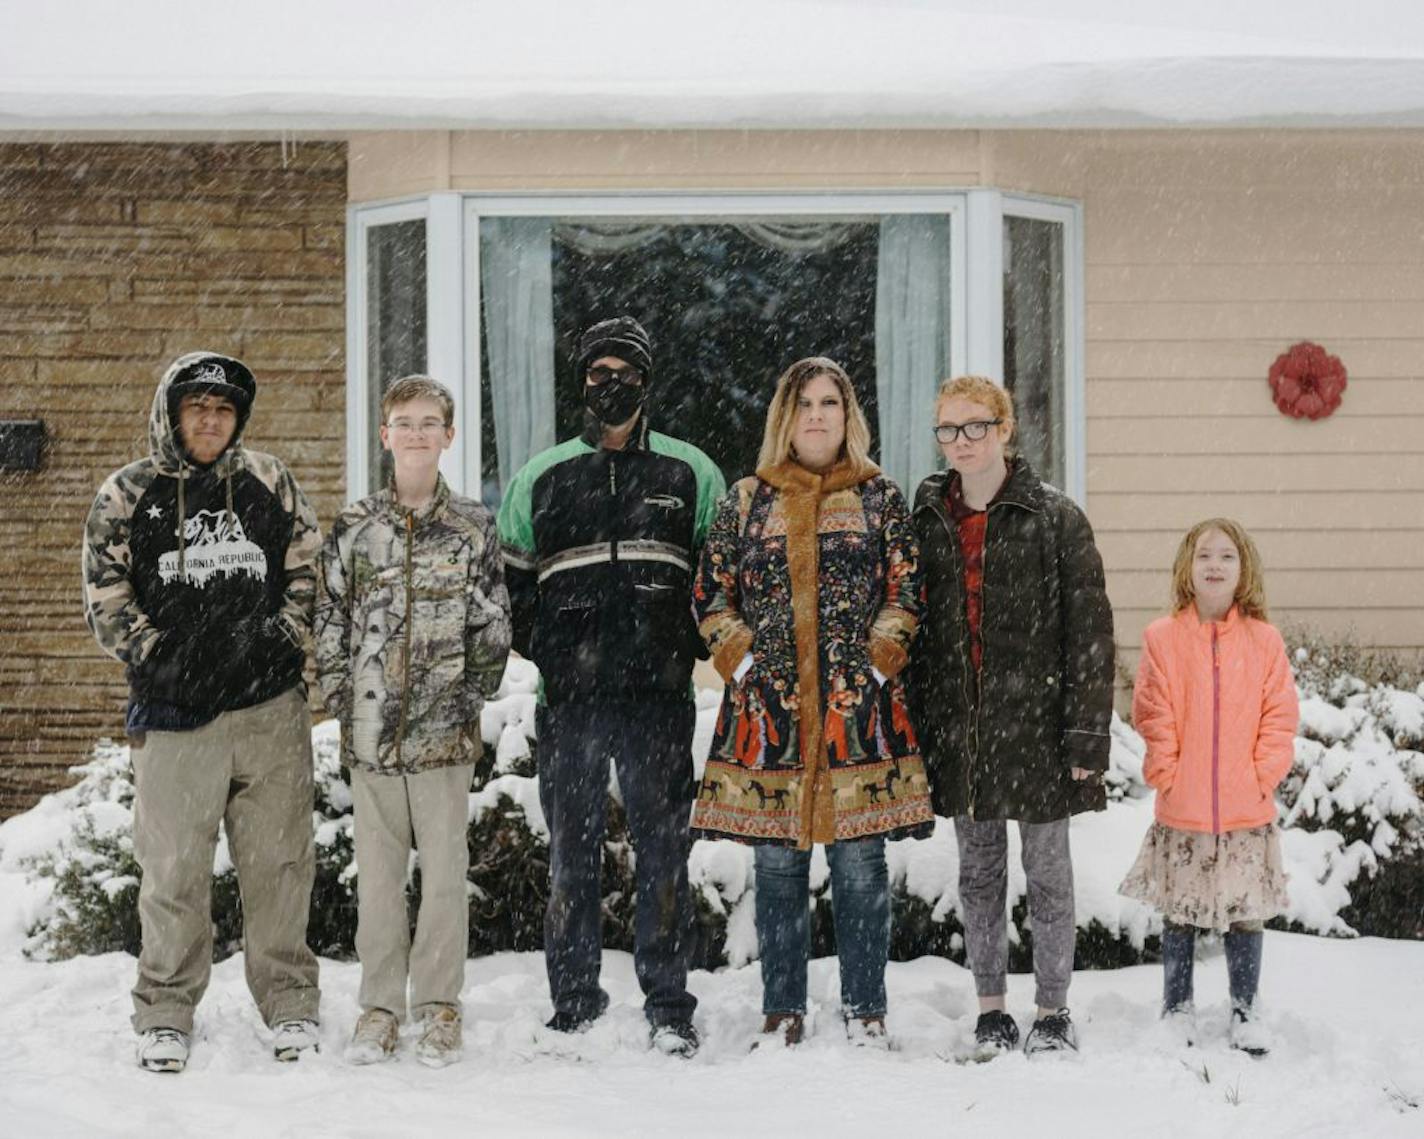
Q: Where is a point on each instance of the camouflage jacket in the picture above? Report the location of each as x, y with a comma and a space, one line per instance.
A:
201, 580
412, 630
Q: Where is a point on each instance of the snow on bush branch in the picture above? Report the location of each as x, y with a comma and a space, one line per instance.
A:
1351, 812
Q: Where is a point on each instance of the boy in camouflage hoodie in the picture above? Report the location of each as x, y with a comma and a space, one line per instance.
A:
199, 577
412, 631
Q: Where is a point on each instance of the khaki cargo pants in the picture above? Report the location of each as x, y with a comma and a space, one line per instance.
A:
252, 771
428, 812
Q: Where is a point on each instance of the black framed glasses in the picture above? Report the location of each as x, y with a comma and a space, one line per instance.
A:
600, 375
974, 430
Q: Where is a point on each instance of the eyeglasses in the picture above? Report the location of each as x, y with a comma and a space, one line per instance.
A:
411, 427
601, 375
974, 430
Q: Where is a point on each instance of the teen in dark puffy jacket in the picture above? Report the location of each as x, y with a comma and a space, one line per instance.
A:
1011, 689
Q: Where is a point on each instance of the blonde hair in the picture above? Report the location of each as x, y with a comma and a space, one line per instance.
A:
1250, 589
981, 389
781, 415
409, 388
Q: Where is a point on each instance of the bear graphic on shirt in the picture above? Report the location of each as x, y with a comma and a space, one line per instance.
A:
214, 543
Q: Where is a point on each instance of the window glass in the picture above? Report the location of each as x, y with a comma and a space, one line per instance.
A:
395, 323
1034, 318
728, 304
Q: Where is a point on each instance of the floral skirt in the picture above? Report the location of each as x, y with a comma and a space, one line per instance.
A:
1210, 880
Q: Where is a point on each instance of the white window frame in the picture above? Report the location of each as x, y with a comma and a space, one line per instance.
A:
453, 287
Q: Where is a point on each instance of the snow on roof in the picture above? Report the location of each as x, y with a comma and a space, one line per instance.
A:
361, 64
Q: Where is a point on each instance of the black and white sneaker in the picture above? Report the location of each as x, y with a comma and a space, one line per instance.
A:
292, 1038
1052, 1033
162, 1050
678, 1038
995, 1033
1246, 1033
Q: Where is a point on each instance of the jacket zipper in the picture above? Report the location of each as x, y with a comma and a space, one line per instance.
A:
613, 506
1215, 734
409, 621
977, 675
969, 683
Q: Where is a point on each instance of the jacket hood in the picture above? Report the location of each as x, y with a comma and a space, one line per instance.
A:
229, 376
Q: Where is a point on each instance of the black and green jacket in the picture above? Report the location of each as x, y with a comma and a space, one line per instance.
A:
599, 551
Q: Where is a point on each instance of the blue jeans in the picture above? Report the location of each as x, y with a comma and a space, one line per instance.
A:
651, 744
860, 898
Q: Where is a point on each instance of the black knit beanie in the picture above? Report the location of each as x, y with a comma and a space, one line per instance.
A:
622, 337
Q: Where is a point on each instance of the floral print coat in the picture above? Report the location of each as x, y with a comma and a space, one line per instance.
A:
818, 577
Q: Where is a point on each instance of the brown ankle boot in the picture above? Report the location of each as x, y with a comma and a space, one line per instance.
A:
784, 1028
867, 1032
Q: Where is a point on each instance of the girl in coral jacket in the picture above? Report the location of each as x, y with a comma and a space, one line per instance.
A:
1216, 704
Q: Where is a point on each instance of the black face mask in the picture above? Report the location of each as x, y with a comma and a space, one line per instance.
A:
614, 402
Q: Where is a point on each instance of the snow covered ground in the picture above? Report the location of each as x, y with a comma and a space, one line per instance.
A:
1350, 1059
1345, 1011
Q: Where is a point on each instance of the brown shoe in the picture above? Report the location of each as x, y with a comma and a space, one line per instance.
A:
441, 1040
785, 1028
375, 1038
867, 1032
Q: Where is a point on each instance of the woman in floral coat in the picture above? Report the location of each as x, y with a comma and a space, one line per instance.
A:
808, 595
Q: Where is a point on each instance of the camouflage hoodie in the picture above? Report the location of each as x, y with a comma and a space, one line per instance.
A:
200, 579
412, 630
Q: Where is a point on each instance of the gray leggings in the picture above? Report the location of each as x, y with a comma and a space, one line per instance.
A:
983, 899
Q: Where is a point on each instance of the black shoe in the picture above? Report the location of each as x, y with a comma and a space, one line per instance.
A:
994, 1034
1052, 1033
1246, 1033
571, 1021
677, 1038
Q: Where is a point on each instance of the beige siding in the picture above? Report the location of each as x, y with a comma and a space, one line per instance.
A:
1208, 253
114, 258
389, 165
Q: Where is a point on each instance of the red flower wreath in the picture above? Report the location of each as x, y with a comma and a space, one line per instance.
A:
1306, 381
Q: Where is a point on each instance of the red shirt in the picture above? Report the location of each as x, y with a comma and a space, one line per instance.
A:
971, 525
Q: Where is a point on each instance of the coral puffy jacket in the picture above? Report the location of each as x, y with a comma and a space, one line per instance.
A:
1216, 705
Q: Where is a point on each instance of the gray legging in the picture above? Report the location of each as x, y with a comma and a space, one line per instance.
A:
983, 898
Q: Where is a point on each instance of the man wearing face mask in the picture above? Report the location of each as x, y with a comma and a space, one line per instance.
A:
601, 535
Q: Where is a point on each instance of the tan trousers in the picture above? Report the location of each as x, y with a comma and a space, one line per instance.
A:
393, 814
250, 770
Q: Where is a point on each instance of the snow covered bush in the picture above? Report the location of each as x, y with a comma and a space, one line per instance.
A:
1356, 791
1352, 817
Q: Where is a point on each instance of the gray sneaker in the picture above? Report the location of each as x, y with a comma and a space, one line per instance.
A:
441, 1039
290, 1038
162, 1050
375, 1037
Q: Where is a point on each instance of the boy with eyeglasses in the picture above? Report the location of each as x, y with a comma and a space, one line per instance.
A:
413, 628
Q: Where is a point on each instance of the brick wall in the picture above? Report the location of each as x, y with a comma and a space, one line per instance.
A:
114, 258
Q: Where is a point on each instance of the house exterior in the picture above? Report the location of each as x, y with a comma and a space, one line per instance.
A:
1132, 267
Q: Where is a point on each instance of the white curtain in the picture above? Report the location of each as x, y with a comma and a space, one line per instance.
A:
911, 341
518, 295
